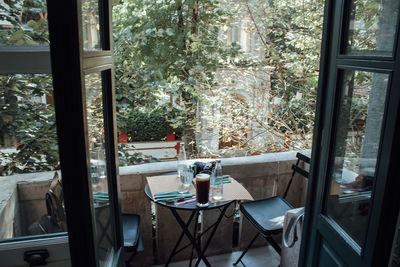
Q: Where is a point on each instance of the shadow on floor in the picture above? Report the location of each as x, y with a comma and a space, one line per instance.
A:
257, 257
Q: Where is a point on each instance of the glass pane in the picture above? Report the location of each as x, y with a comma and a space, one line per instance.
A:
23, 23
372, 27
356, 150
91, 25
29, 158
98, 169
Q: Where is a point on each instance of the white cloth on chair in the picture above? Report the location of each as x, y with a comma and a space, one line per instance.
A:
290, 256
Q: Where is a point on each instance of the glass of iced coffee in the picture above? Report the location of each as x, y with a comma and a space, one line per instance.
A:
202, 189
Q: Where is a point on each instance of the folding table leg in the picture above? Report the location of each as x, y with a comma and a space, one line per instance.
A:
196, 222
180, 237
189, 235
211, 236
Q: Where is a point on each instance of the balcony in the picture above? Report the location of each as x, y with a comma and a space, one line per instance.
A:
22, 203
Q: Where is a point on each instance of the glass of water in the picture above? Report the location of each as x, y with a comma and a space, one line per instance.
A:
217, 187
186, 177
217, 191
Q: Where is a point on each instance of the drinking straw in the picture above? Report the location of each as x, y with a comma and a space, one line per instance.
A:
185, 202
170, 193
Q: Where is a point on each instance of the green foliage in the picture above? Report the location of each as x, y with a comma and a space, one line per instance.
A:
167, 47
366, 14
30, 122
24, 117
166, 40
94, 108
127, 159
291, 33
27, 22
154, 125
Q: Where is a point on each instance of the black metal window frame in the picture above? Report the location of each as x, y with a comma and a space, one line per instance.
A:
385, 205
70, 63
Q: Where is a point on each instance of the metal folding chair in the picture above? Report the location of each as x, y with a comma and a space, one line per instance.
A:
131, 231
263, 214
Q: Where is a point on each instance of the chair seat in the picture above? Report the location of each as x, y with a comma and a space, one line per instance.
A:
130, 226
266, 214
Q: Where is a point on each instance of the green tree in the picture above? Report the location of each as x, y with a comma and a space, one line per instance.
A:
291, 33
169, 46
24, 117
30, 121
27, 22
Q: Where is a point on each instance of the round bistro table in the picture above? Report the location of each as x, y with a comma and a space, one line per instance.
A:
194, 238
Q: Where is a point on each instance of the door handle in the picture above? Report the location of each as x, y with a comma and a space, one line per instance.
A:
36, 257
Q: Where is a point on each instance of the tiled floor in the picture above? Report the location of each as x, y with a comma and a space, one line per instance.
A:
257, 257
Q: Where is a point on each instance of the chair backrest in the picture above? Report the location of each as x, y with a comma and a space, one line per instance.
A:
55, 203
298, 169
55, 220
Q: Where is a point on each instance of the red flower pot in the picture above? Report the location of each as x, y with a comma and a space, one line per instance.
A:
170, 137
122, 138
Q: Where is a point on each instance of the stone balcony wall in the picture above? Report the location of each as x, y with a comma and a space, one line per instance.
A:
22, 202
263, 176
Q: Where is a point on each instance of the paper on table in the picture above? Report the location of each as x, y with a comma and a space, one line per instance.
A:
168, 183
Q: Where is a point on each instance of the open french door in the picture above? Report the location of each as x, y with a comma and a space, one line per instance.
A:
82, 68
353, 200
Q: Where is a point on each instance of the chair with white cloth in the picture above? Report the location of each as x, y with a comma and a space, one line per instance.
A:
266, 215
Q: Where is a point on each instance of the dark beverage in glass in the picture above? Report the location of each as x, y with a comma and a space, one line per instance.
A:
202, 189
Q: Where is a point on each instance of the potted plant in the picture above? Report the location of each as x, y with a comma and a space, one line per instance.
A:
123, 128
